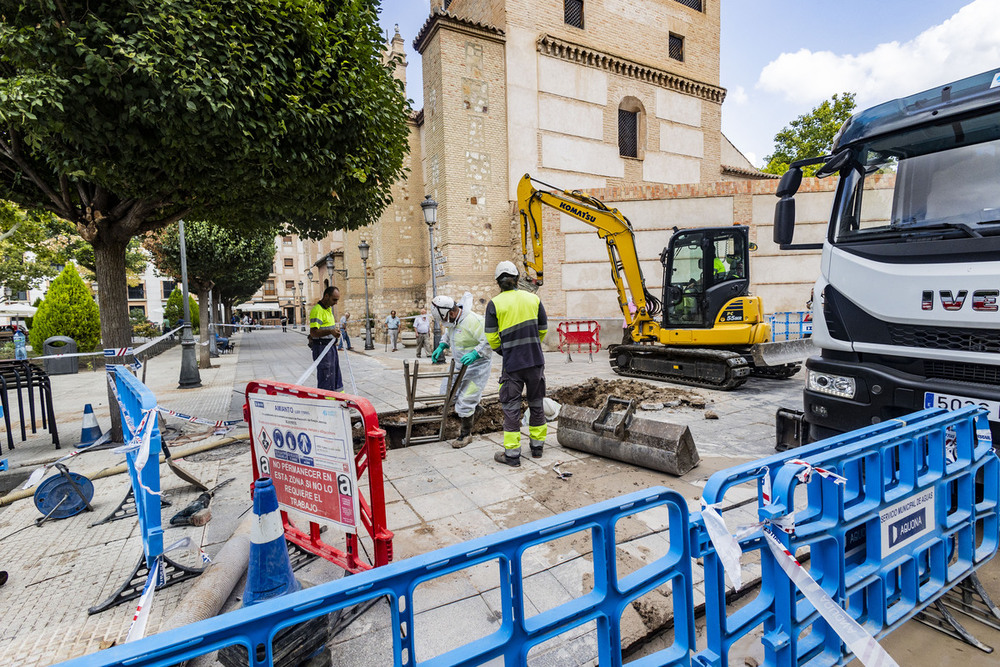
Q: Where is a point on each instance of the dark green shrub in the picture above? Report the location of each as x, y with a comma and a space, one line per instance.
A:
67, 310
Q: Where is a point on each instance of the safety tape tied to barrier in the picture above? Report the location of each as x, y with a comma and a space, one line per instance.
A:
110, 352
862, 644
727, 546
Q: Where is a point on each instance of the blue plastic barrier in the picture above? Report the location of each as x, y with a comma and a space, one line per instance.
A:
879, 464
789, 325
137, 398
890, 469
894, 538
254, 627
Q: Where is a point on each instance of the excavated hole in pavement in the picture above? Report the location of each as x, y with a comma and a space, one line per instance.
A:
589, 394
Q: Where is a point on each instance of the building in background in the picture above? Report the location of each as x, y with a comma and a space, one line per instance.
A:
618, 97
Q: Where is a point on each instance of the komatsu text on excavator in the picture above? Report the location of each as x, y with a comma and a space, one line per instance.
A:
706, 330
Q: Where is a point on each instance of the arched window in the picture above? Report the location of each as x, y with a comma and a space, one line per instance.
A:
631, 130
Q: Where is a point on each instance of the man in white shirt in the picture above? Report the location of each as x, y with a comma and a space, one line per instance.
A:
422, 326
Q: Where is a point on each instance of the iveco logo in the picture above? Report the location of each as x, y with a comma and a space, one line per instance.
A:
583, 215
982, 300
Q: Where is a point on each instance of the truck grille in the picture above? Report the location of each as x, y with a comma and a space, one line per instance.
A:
958, 372
943, 338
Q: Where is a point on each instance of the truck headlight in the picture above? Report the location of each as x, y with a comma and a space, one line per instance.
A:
835, 385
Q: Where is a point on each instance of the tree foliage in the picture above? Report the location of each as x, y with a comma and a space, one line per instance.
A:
216, 256
810, 135
123, 117
67, 310
174, 310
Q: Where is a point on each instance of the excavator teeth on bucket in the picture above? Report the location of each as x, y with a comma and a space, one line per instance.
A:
621, 436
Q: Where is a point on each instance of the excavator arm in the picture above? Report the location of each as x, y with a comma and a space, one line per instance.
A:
611, 226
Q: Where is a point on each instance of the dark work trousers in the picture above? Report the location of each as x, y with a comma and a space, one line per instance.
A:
328, 372
530, 381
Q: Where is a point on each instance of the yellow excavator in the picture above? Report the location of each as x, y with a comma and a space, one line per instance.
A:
706, 331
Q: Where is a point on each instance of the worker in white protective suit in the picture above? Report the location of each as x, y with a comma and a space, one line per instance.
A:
465, 333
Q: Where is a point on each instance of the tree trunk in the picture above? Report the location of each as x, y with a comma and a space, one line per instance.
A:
112, 300
204, 314
228, 314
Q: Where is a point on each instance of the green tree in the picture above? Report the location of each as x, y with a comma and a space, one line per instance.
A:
174, 310
124, 117
216, 257
810, 135
68, 309
30, 247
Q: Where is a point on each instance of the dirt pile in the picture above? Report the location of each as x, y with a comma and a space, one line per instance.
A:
594, 392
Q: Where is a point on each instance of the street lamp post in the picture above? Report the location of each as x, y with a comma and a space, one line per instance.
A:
429, 207
302, 296
363, 251
292, 303
190, 378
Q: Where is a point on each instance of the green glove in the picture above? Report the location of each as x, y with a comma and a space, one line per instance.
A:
469, 357
436, 355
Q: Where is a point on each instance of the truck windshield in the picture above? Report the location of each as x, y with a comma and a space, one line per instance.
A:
943, 179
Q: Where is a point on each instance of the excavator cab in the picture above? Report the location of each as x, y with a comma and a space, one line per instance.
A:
703, 269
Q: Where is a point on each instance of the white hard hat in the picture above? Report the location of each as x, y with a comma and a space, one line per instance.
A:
442, 305
505, 268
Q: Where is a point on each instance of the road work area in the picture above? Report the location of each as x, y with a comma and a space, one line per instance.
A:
435, 496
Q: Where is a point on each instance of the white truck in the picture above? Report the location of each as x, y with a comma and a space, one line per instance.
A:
906, 311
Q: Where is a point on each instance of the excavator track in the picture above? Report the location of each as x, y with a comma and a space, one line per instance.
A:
697, 367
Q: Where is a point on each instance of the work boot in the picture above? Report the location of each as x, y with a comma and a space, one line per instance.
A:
512, 461
466, 433
536, 448
476, 415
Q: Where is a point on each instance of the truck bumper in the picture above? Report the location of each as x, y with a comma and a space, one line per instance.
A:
882, 393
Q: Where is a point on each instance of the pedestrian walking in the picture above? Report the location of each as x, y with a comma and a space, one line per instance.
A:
465, 333
515, 327
344, 338
392, 327
323, 333
284, 324
422, 327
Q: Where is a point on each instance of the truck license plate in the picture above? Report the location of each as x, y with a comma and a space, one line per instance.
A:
952, 402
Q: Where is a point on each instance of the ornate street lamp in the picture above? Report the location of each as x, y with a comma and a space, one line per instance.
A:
430, 209
363, 251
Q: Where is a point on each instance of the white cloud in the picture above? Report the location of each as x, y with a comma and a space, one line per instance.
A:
737, 95
754, 160
967, 43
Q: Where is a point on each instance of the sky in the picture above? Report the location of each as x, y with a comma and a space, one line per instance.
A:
781, 58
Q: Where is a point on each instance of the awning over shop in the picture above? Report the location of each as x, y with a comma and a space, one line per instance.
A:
263, 307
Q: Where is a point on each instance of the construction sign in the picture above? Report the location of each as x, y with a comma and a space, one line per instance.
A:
304, 445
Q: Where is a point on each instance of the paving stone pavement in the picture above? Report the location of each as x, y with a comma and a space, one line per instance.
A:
436, 496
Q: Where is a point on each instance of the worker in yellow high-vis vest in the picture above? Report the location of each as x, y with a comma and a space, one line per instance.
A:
515, 328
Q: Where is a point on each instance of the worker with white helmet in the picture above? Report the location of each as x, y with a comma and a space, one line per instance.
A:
515, 327
464, 332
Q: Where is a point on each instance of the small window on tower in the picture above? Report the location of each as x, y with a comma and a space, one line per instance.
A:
676, 50
628, 133
573, 12
289, 262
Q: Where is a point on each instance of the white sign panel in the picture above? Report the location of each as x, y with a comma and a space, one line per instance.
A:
906, 521
304, 445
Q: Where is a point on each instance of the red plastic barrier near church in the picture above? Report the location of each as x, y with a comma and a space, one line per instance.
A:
303, 439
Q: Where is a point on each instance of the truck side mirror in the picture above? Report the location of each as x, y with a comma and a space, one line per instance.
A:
784, 221
784, 210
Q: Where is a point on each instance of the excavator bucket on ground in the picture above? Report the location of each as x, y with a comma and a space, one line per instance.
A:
783, 352
624, 437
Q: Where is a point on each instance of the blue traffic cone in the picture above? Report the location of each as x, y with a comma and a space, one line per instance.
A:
269, 574
91, 430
